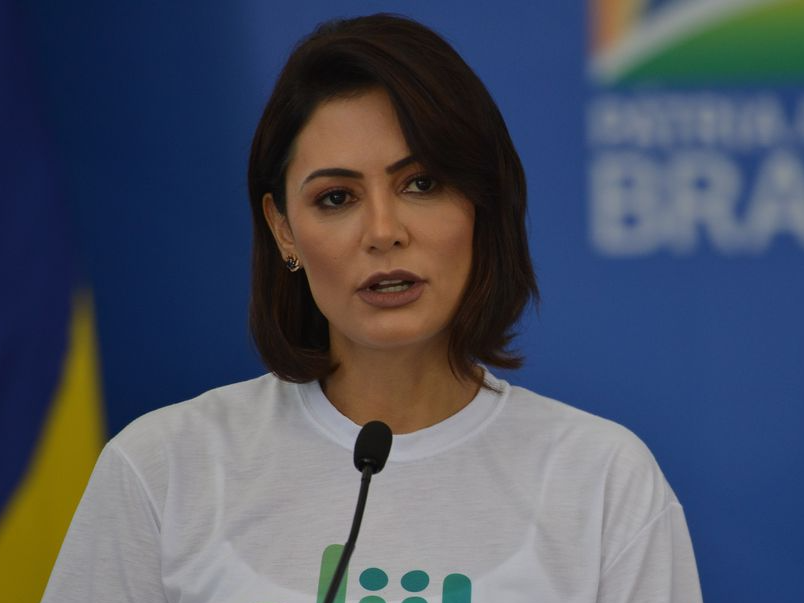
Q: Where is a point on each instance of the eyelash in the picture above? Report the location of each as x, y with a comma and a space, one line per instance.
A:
320, 199
422, 176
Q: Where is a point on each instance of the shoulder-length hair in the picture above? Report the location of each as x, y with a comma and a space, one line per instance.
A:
453, 128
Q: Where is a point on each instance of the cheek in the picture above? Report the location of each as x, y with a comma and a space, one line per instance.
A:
323, 262
454, 238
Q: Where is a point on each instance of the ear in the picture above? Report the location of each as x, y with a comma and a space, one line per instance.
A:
279, 225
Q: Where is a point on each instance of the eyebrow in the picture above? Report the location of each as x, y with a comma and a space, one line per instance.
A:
346, 173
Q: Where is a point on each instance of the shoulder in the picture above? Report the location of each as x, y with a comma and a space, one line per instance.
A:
565, 429
200, 435
594, 459
230, 407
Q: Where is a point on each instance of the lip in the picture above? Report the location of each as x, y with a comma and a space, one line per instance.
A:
395, 275
395, 299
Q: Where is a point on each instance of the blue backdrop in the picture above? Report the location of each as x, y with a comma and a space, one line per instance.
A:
663, 147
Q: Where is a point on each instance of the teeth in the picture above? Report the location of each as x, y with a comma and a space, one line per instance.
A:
391, 286
396, 288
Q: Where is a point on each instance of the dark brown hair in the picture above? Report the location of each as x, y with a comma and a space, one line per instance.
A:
454, 129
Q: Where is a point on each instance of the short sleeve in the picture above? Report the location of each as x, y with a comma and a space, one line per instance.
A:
112, 548
656, 566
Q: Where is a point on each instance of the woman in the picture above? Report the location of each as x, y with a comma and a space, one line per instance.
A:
390, 264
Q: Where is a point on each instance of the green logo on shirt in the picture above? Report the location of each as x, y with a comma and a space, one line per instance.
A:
456, 588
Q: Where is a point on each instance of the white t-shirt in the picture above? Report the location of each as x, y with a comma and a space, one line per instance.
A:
238, 495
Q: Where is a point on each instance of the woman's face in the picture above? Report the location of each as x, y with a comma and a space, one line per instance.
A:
386, 249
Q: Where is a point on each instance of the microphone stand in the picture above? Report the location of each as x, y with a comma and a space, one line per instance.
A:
348, 548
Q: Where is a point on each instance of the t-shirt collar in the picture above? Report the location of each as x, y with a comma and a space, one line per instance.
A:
423, 443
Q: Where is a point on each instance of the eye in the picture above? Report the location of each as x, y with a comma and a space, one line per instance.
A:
420, 184
332, 198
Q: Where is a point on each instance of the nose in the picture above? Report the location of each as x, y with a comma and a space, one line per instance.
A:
383, 223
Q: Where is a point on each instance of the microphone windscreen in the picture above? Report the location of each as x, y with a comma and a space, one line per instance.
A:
373, 445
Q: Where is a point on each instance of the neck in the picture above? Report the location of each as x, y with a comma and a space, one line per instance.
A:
407, 389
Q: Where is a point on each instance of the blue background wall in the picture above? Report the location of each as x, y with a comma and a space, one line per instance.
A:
695, 347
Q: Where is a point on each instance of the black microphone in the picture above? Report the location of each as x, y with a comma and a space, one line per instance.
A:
372, 447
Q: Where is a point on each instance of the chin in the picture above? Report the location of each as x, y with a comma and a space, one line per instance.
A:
397, 339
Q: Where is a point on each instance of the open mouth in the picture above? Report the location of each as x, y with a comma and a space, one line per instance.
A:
391, 286
394, 289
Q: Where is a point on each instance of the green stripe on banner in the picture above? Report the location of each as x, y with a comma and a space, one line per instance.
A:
765, 44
